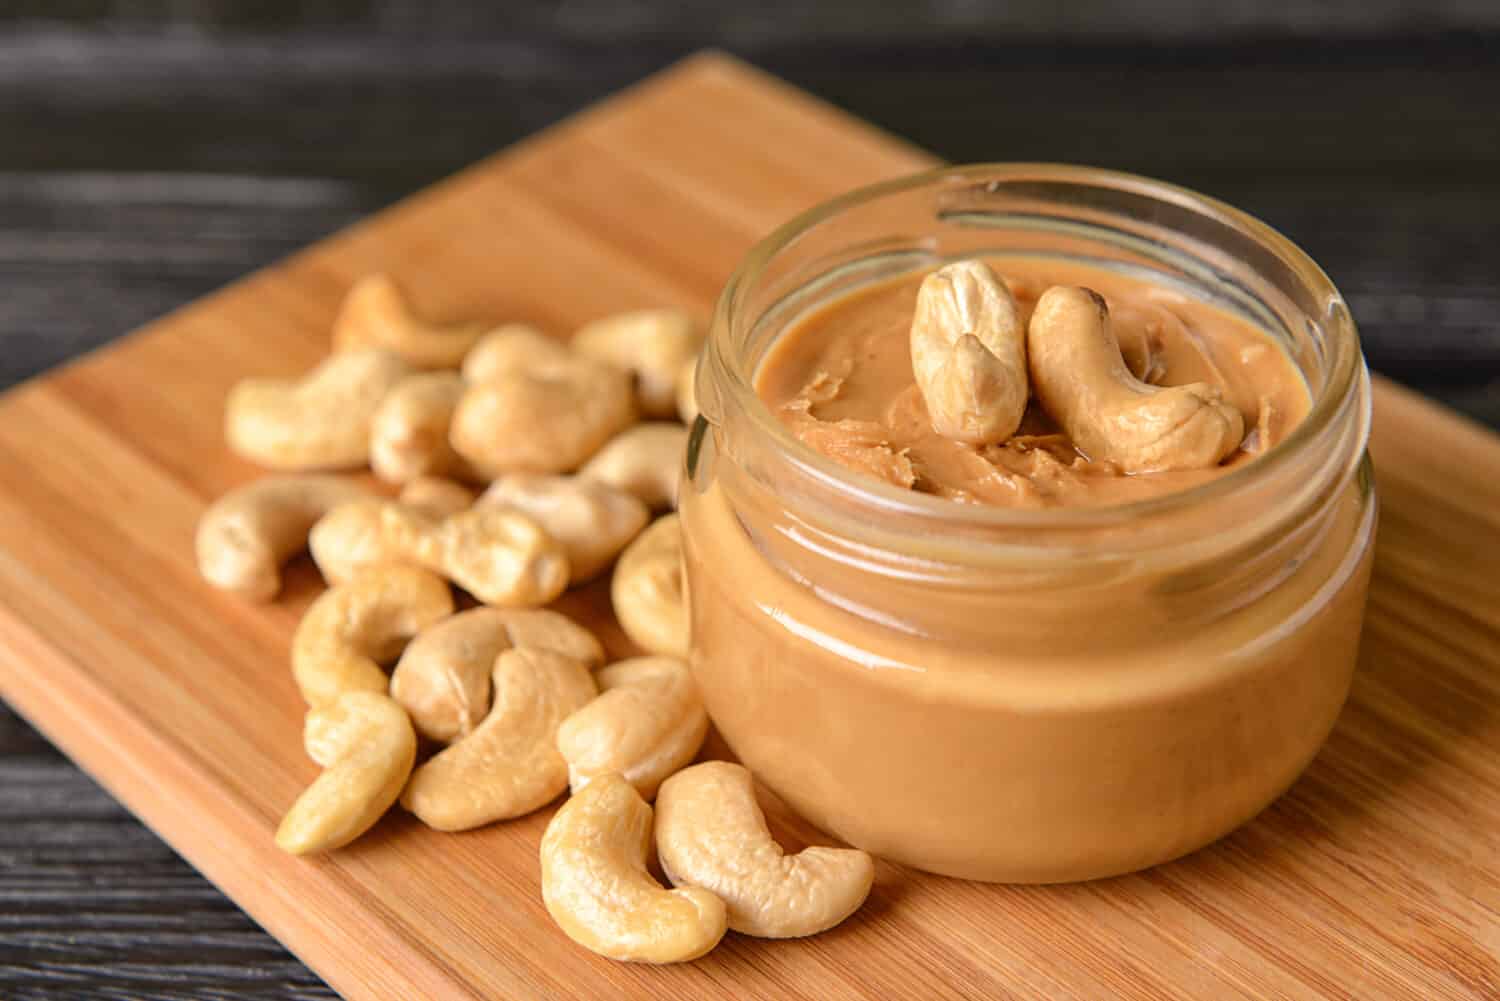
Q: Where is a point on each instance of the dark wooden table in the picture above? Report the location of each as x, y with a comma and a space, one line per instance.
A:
144, 163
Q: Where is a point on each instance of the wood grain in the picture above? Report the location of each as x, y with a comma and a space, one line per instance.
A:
1375, 877
918, 21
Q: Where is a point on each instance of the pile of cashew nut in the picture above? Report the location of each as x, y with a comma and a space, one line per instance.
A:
508, 466
976, 365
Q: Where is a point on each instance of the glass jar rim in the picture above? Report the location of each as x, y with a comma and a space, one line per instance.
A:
1343, 374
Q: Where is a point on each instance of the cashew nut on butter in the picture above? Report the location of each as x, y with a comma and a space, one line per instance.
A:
437, 497
514, 348
543, 420
591, 521
366, 746
358, 625
321, 421
968, 353
443, 678
409, 432
647, 723
509, 765
597, 889
245, 536
645, 461
649, 592
653, 344
1081, 380
375, 314
711, 833
499, 555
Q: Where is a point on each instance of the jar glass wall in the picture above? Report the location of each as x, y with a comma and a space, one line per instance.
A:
1027, 695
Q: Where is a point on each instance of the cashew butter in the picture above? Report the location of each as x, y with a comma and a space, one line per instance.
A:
1015, 660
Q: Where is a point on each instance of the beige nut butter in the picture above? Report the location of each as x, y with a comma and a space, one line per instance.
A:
1013, 662
842, 382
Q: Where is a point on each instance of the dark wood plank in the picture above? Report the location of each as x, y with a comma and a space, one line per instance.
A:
114, 205
792, 20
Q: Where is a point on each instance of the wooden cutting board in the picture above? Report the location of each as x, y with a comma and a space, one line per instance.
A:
1376, 877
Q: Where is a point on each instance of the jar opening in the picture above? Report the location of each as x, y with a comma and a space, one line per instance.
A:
1164, 233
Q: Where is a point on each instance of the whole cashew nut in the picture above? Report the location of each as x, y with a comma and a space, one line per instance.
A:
545, 420
509, 765
515, 348
647, 723
354, 627
687, 391
1082, 382
437, 497
653, 344
409, 432
710, 832
645, 461
375, 314
245, 536
366, 746
443, 678
968, 353
321, 421
597, 889
649, 592
591, 521
500, 556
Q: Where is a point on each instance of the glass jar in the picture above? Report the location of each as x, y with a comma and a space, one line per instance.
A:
1027, 695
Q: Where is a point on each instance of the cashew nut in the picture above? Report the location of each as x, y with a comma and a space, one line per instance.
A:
645, 460
509, 765
245, 536
653, 344
443, 678
321, 421
500, 556
710, 832
358, 625
437, 497
591, 521
513, 348
545, 420
687, 391
409, 432
366, 746
375, 314
968, 353
1082, 382
648, 722
597, 889
649, 593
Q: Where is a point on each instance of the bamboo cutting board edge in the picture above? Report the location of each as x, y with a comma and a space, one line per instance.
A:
369, 947
213, 845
